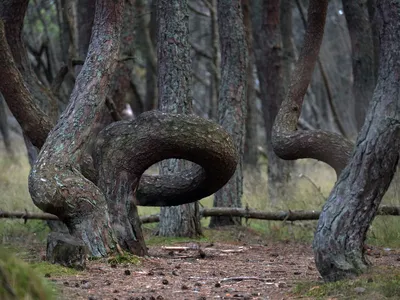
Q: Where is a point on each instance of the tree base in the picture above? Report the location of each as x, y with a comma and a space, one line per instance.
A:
66, 250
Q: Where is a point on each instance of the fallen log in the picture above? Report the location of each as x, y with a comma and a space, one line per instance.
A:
290, 215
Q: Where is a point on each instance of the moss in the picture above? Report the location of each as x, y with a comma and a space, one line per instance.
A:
126, 258
44, 268
19, 281
378, 283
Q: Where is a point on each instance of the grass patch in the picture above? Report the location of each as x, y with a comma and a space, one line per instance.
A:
377, 283
44, 268
21, 281
126, 258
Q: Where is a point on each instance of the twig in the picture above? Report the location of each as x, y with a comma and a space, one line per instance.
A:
242, 278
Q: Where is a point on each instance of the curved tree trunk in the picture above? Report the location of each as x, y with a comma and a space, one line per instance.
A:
269, 62
363, 56
173, 56
353, 202
55, 182
232, 99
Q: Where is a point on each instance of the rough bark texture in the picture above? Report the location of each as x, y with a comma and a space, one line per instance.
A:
269, 62
126, 149
362, 46
174, 73
12, 12
250, 156
55, 182
353, 202
289, 142
232, 98
34, 122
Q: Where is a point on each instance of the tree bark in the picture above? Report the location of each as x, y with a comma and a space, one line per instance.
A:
363, 57
55, 182
269, 62
288, 142
232, 98
174, 73
4, 129
353, 202
12, 13
250, 157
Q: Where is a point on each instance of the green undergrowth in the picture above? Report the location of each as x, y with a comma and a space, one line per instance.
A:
125, 258
377, 283
18, 280
45, 269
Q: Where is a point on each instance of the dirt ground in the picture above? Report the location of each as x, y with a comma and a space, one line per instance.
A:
198, 271
205, 271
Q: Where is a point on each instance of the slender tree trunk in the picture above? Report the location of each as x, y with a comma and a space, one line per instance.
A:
4, 129
268, 53
216, 61
250, 157
362, 44
173, 53
353, 203
232, 99
151, 61
287, 40
123, 89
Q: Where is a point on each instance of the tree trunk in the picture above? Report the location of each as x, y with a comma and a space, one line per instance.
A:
362, 46
5, 131
174, 73
353, 202
123, 90
55, 182
287, 40
250, 157
268, 53
232, 99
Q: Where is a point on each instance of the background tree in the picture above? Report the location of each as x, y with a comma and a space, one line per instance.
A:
232, 98
269, 62
173, 56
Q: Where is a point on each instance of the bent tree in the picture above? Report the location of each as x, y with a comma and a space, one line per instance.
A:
93, 180
354, 200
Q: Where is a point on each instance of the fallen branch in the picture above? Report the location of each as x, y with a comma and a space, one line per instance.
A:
295, 215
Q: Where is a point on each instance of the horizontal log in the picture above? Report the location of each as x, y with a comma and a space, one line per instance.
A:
295, 215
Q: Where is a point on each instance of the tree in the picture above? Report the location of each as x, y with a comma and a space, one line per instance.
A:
363, 56
232, 98
250, 156
269, 62
173, 56
96, 195
353, 202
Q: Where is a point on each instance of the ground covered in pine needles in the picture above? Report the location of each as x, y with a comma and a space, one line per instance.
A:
246, 269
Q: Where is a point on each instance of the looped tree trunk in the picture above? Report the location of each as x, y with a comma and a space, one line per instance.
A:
127, 149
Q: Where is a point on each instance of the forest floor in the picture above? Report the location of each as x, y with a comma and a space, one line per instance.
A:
246, 269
